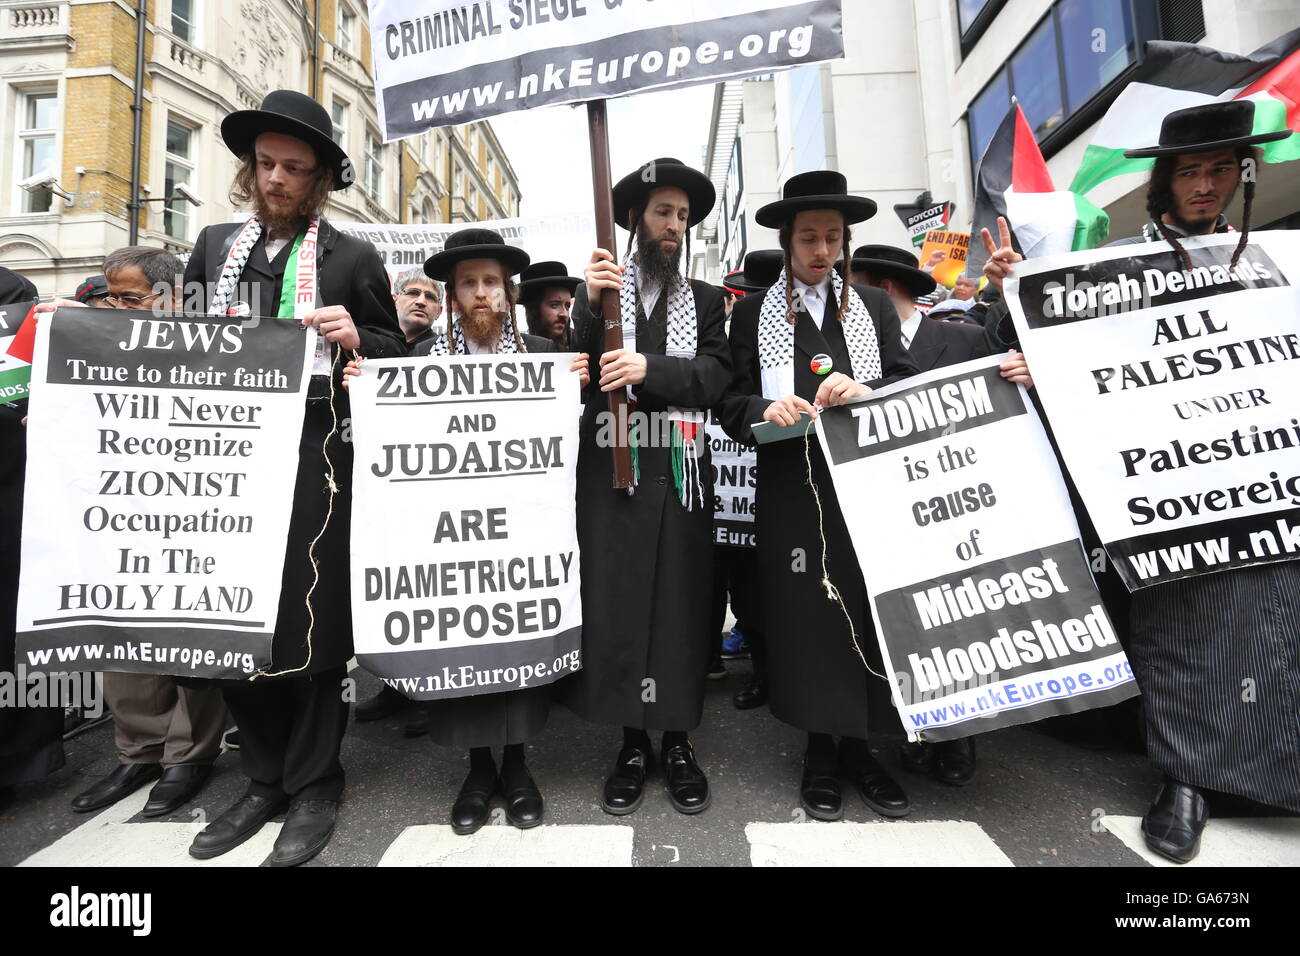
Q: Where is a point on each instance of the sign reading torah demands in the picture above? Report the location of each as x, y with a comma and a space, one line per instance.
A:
983, 600
735, 473
161, 451
1173, 396
446, 62
474, 588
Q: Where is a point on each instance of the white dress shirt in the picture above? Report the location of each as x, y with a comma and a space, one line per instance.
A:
814, 297
907, 328
649, 292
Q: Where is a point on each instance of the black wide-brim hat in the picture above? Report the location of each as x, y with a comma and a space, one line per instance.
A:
632, 191
1203, 129
293, 114
819, 189
540, 276
891, 262
762, 268
474, 243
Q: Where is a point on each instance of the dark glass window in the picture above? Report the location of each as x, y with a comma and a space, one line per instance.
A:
1098, 44
986, 113
1036, 79
967, 11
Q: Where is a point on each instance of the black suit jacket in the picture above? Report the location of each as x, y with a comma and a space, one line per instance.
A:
937, 344
744, 404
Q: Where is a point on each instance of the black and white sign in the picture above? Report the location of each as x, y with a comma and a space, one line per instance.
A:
982, 597
1173, 397
474, 588
445, 62
161, 454
735, 470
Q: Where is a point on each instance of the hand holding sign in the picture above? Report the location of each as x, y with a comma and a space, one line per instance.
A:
998, 265
1016, 369
335, 324
838, 389
786, 411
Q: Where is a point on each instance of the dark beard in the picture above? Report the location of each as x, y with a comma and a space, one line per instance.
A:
651, 262
1196, 228
279, 224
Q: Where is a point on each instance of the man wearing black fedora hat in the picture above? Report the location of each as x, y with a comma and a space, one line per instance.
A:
546, 293
1194, 640
814, 339
647, 557
288, 262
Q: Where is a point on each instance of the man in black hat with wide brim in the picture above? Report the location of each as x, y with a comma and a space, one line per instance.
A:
1192, 640
761, 268
815, 338
291, 721
647, 558
546, 293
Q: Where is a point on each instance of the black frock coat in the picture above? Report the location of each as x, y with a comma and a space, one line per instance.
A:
816, 680
647, 562
351, 275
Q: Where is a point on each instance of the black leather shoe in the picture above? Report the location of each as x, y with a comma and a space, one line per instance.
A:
384, 704
523, 800
688, 788
625, 788
417, 719
306, 830
177, 787
878, 789
954, 761
754, 695
473, 803
819, 794
241, 821
125, 780
1173, 825
916, 756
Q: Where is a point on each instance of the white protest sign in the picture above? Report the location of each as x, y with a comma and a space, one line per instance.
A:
983, 601
735, 470
1173, 397
475, 588
161, 455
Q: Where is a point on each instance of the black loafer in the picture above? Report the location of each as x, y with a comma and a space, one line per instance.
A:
523, 800
878, 789
473, 804
954, 761
125, 780
249, 814
384, 704
1173, 825
688, 788
177, 787
916, 756
306, 830
625, 787
819, 794
755, 695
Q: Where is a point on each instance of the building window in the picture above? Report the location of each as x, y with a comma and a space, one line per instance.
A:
427, 213
183, 20
346, 29
339, 119
36, 130
374, 164
492, 173
973, 18
179, 168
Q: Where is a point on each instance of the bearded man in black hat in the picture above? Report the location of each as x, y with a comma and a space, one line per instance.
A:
287, 261
546, 293
1193, 639
647, 557
814, 340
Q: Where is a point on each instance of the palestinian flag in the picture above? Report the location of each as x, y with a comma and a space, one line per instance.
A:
1013, 181
17, 342
1174, 76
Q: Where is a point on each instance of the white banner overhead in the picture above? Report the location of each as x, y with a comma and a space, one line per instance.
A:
1173, 397
161, 452
983, 601
445, 62
474, 589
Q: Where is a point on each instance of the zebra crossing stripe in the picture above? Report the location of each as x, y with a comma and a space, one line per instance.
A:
1233, 841
429, 845
896, 843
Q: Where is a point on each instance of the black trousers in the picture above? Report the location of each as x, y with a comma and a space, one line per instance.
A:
290, 733
735, 572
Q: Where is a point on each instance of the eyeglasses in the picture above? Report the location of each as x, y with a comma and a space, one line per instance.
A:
433, 297
128, 301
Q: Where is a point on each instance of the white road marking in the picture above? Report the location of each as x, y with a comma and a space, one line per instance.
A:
929, 843
429, 845
1235, 841
108, 840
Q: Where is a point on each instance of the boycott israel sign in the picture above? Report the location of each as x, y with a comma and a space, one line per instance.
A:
984, 604
735, 467
161, 452
15, 369
476, 590
1173, 397
444, 62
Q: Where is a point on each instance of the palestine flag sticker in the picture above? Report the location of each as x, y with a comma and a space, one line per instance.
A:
821, 363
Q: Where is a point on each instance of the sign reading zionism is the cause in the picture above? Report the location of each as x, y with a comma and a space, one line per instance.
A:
1174, 396
475, 589
735, 476
161, 454
983, 600
445, 62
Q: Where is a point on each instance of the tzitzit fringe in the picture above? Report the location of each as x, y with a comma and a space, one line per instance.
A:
832, 592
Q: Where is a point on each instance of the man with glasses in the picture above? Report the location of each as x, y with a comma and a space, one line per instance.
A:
419, 304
